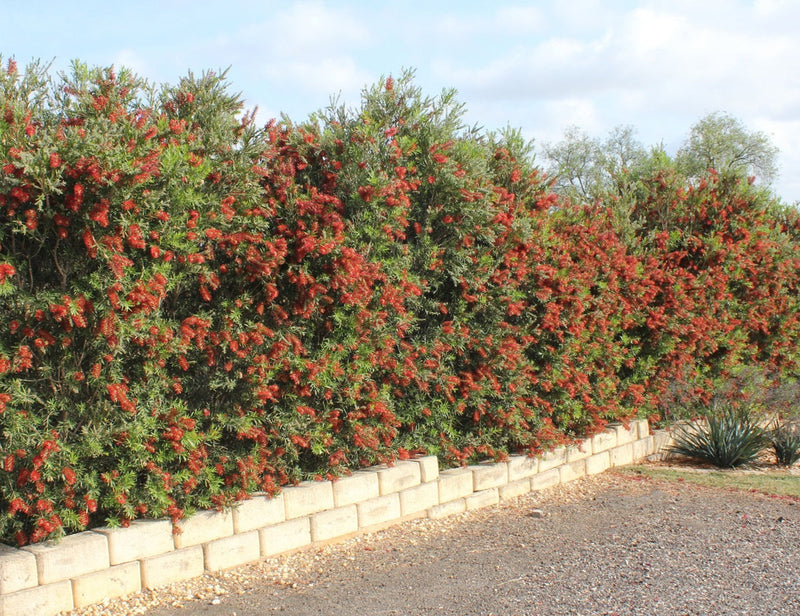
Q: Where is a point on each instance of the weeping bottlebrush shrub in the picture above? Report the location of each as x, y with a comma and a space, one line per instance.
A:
196, 308
107, 191
724, 258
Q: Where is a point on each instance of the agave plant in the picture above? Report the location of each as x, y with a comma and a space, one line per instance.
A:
728, 437
785, 441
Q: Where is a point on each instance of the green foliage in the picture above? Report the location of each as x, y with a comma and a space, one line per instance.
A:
728, 437
587, 169
720, 142
785, 440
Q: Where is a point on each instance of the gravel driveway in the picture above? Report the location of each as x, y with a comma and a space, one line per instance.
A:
611, 544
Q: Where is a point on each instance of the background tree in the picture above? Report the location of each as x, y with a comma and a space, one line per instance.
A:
586, 169
573, 163
721, 142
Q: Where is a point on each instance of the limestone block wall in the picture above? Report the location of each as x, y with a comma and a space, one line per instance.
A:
88, 567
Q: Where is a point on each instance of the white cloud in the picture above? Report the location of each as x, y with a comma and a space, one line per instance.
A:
326, 77
133, 61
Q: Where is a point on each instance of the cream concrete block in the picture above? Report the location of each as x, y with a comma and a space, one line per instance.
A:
579, 452
572, 471
334, 523
232, 551
141, 539
172, 567
285, 537
515, 489
626, 435
202, 527
257, 512
598, 463
522, 467
358, 487
489, 475
484, 498
110, 583
17, 570
379, 510
643, 428
552, 459
419, 498
447, 509
308, 497
642, 448
546, 479
70, 557
604, 441
46, 600
404, 474
454, 483
662, 440
620, 456
428, 468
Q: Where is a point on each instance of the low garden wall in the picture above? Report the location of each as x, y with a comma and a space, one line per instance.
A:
88, 567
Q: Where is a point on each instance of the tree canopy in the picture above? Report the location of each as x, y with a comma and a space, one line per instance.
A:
586, 169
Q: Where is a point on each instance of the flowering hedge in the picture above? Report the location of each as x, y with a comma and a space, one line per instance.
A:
195, 308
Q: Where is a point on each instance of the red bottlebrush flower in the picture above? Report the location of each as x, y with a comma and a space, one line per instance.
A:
69, 475
99, 213
389, 84
55, 160
100, 102
20, 194
6, 270
226, 207
91, 504
177, 126
366, 192
31, 219
17, 505
90, 243
61, 220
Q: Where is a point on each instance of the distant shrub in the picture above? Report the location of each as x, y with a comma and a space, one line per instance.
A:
785, 440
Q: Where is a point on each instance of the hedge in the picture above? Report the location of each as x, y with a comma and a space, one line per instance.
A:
196, 307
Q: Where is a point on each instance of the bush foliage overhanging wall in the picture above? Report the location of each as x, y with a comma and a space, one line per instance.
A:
194, 307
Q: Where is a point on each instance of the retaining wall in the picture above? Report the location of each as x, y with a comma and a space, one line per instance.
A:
47, 578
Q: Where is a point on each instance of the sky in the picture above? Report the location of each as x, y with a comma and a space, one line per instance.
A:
540, 66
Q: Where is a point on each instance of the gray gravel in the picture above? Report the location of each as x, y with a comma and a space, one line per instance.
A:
612, 544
